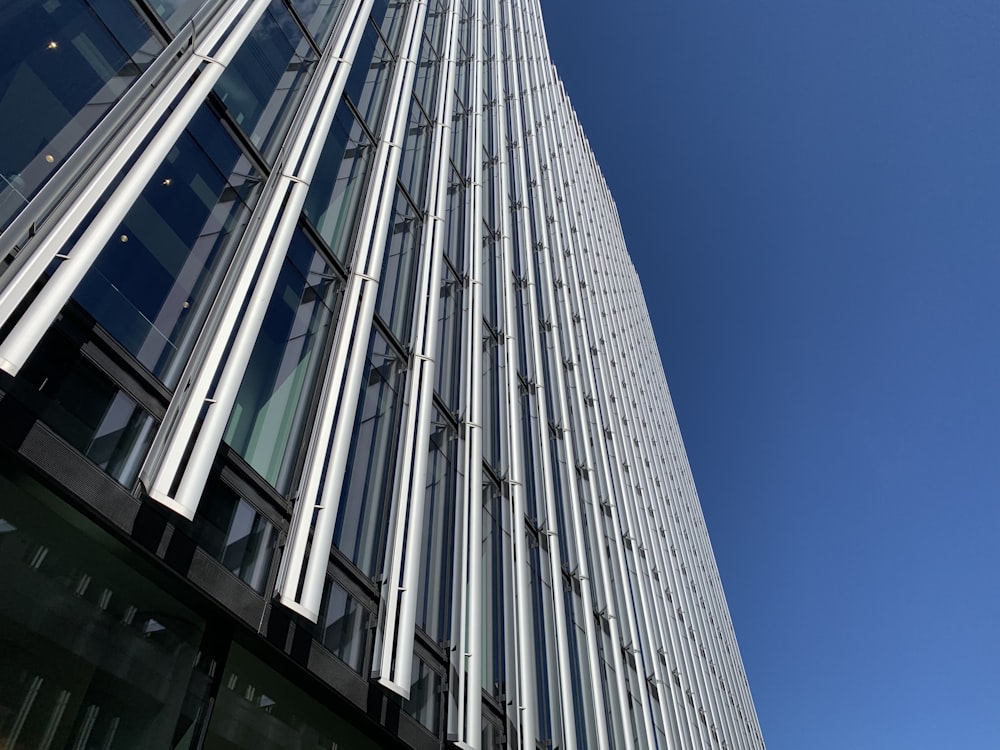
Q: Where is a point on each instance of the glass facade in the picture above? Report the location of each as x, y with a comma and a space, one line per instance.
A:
439, 495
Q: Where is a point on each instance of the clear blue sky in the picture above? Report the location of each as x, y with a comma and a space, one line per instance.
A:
810, 190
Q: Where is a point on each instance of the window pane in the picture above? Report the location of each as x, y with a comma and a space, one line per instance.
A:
395, 291
259, 708
81, 405
491, 261
154, 281
94, 653
269, 417
492, 413
437, 23
613, 712
547, 690
423, 704
581, 677
496, 538
531, 439
264, 81
389, 15
416, 150
318, 17
175, 13
455, 220
369, 78
366, 500
427, 73
63, 65
232, 531
342, 626
438, 532
448, 359
334, 198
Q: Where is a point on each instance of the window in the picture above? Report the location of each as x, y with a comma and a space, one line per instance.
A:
365, 503
232, 531
95, 653
342, 625
154, 281
63, 65
338, 185
272, 408
84, 407
265, 79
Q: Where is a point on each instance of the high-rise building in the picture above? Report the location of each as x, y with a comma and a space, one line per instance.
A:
331, 414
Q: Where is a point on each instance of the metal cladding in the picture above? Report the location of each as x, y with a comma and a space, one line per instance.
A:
538, 520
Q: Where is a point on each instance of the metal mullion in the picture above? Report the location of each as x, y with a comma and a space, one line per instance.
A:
216, 51
557, 101
678, 654
573, 145
323, 478
643, 582
563, 656
527, 700
588, 197
110, 132
627, 625
605, 242
562, 400
695, 675
723, 712
709, 684
402, 564
306, 34
684, 650
465, 699
221, 355
541, 85
654, 547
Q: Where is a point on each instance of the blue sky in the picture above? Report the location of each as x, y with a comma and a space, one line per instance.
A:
810, 191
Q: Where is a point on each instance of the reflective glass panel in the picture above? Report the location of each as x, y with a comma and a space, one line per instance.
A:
366, 501
455, 220
437, 23
448, 359
266, 78
154, 281
395, 291
561, 490
416, 150
580, 674
496, 538
342, 626
175, 13
271, 410
438, 532
334, 199
530, 442
232, 531
259, 708
428, 72
369, 78
81, 405
318, 16
93, 653
613, 712
388, 16
424, 703
492, 412
63, 65
547, 693
461, 124
490, 264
